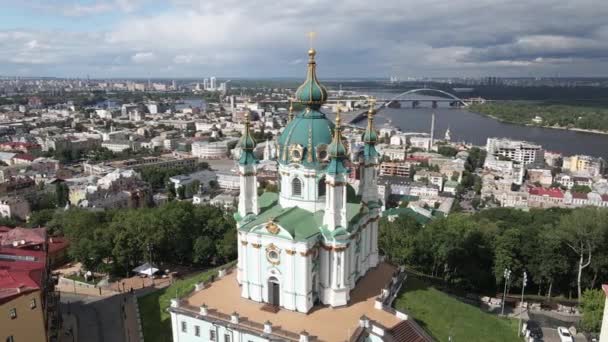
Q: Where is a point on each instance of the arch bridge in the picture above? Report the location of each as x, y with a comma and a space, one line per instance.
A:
395, 101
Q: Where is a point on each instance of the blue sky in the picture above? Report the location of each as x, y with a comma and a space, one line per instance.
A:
267, 38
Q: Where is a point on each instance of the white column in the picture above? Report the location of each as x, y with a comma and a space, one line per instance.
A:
245, 271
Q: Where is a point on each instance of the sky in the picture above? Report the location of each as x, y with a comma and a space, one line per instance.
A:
268, 38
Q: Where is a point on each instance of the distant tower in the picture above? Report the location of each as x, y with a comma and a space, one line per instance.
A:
206, 84
248, 198
448, 135
213, 83
432, 131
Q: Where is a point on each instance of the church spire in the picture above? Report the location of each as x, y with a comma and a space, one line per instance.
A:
248, 197
337, 150
311, 93
370, 137
247, 145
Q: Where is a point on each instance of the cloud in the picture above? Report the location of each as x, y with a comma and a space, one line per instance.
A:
394, 37
143, 57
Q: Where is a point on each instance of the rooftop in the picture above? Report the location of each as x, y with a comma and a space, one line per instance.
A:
323, 323
301, 224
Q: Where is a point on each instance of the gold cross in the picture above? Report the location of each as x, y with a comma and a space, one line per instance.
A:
311, 37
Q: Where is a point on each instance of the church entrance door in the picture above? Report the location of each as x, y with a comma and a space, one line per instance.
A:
274, 295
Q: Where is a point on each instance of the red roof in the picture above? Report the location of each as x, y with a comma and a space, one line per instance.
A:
16, 144
24, 156
552, 192
21, 271
30, 236
579, 195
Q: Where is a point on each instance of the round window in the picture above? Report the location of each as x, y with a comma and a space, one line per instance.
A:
322, 155
296, 154
273, 256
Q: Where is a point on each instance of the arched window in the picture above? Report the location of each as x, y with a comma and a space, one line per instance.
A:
296, 187
322, 187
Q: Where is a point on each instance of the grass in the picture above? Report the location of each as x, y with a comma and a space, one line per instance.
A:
443, 316
156, 321
81, 279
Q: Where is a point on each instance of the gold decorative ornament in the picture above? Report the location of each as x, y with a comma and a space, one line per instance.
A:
322, 152
273, 254
296, 151
272, 227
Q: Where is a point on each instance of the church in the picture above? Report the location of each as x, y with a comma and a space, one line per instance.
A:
308, 263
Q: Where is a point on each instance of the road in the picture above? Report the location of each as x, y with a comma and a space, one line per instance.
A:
99, 319
548, 325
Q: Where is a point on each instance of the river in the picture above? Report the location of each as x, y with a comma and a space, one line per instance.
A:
476, 128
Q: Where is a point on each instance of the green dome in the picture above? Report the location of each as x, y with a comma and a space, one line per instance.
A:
337, 149
311, 93
305, 139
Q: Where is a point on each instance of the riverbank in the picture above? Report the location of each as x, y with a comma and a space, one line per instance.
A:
593, 131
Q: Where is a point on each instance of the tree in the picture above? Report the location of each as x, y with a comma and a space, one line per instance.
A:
62, 194
592, 307
397, 239
581, 188
448, 151
203, 250
40, 218
580, 230
181, 192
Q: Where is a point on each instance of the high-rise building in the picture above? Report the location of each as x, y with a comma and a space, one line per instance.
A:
206, 84
515, 150
213, 83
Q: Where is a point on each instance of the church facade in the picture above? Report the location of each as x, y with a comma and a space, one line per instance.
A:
308, 266
311, 243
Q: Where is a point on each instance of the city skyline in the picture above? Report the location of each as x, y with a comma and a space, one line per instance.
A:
186, 38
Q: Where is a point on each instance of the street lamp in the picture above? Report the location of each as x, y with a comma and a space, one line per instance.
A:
524, 282
507, 276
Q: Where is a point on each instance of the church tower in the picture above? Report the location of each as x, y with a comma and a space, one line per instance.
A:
335, 183
369, 161
248, 198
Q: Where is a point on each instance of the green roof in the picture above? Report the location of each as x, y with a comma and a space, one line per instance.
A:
312, 131
299, 223
406, 212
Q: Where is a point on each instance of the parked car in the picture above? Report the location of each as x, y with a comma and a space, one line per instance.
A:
564, 334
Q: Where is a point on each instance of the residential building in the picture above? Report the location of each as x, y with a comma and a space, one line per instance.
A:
543, 177
394, 153
210, 150
30, 308
423, 143
518, 151
400, 169
569, 181
161, 162
584, 165
121, 145
228, 180
431, 177
14, 207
